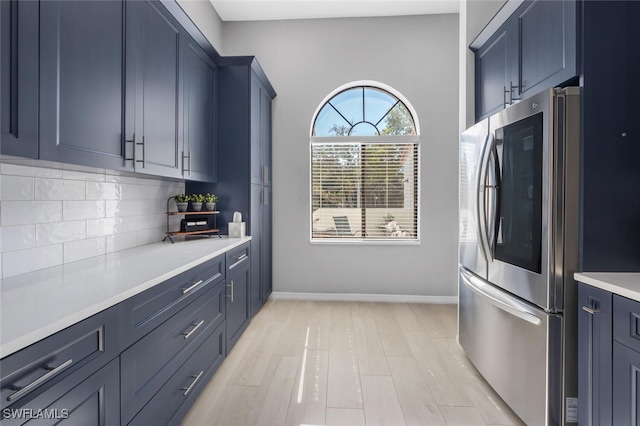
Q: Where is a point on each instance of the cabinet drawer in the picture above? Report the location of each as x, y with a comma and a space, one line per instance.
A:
170, 404
238, 257
626, 322
76, 400
146, 311
91, 343
148, 364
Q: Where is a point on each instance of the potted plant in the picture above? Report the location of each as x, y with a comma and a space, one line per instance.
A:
182, 202
196, 202
210, 201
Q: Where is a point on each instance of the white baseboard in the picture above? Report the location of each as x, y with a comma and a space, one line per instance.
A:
356, 297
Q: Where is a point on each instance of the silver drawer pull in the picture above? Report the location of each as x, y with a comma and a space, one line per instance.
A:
188, 289
230, 295
239, 259
188, 389
37, 382
193, 330
592, 311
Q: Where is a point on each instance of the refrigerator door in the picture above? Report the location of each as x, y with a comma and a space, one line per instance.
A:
472, 146
536, 146
516, 347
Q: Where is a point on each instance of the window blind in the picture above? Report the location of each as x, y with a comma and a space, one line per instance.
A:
364, 190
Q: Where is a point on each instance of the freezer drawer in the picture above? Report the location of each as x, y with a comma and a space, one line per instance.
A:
515, 346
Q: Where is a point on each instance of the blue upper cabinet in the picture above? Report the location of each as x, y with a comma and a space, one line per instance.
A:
548, 45
496, 70
19, 78
200, 80
81, 82
153, 125
534, 49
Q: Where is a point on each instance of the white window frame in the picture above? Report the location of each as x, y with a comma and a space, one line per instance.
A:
390, 139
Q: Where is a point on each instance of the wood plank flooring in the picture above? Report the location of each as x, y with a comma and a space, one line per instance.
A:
308, 363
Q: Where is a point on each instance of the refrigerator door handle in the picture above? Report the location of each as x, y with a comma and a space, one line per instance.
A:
500, 299
481, 199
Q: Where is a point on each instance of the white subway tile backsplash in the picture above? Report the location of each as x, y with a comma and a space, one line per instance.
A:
121, 241
30, 212
59, 189
104, 191
149, 236
120, 208
85, 176
53, 213
83, 249
76, 210
60, 232
16, 188
22, 170
102, 227
135, 223
23, 261
138, 192
18, 237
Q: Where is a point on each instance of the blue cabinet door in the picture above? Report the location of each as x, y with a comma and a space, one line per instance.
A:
153, 103
200, 75
257, 234
81, 82
265, 243
535, 49
19, 78
595, 338
626, 385
496, 70
238, 312
548, 45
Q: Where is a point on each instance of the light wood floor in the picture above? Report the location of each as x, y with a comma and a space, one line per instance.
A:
347, 363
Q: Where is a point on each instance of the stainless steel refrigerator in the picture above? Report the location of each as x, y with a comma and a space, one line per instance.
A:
519, 230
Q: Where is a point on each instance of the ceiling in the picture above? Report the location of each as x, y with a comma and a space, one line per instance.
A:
261, 10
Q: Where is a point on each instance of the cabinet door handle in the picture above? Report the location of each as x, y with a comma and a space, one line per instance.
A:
510, 92
133, 142
230, 295
188, 388
191, 287
188, 157
242, 256
589, 310
40, 380
144, 152
193, 330
265, 174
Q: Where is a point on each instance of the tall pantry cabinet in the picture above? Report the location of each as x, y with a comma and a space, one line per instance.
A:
244, 163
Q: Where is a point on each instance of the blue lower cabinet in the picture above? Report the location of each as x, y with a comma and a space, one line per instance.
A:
626, 385
238, 291
94, 401
595, 337
148, 364
174, 399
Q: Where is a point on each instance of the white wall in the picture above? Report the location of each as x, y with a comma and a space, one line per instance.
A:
206, 19
305, 60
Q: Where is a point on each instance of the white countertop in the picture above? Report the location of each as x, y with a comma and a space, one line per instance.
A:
38, 304
625, 284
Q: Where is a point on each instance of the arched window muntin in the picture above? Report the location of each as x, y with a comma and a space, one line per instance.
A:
368, 224
373, 103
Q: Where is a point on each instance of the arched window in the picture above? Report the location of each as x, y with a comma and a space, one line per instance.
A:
364, 166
